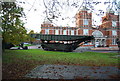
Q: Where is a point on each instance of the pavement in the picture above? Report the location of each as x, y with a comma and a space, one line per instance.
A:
106, 48
73, 72
29, 47
35, 47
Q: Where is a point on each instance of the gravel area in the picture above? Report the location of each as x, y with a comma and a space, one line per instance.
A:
73, 72
84, 49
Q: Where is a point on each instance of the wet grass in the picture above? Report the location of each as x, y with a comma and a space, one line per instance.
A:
54, 57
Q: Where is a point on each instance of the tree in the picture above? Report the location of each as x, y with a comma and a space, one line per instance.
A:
31, 32
54, 9
30, 39
13, 30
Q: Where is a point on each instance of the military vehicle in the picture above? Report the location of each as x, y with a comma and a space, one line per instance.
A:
65, 43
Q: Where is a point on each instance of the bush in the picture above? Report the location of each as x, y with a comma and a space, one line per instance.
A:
8, 45
25, 47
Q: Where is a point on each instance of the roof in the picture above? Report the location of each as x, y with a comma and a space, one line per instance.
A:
46, 21
83, 8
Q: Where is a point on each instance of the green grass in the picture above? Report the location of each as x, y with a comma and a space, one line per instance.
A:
54, 57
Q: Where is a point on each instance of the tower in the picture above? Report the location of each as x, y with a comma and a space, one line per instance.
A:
110, 24
46, 27
84, 21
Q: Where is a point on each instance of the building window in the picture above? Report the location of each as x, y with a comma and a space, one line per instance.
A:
60, 31
97, 33
64, 32
68, 32
72, 32
56, 32
85, 22
114, 24
114, 32
46, 31
114, 42
85, 32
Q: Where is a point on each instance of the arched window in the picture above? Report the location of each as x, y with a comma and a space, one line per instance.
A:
97, 33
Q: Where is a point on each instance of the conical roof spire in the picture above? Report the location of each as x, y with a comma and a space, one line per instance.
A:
84, 8
46, 21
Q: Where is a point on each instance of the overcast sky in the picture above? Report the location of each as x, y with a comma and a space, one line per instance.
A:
35, 12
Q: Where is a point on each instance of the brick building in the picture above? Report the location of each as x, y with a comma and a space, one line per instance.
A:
110, 28
105, 35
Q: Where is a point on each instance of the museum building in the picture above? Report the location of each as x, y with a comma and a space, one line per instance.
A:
105, 35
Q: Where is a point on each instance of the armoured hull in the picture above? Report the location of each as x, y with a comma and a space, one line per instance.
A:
66, 43
58, 47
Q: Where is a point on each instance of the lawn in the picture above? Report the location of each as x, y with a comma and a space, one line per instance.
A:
22, 61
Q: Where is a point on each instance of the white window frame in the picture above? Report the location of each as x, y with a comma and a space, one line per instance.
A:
68, 32
114, 42
114, 32
72, 32
60, 31
114, 23
85, 32
46, 31
64, 32
56, 32
85, 22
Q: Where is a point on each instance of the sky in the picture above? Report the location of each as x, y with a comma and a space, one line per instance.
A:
35, 12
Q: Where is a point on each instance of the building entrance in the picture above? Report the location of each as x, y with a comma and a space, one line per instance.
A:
100, 40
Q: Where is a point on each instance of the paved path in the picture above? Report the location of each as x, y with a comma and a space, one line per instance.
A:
79, 49
29, 47
34, 47
73, 72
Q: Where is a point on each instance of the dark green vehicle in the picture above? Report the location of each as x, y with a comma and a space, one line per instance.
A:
61, 42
